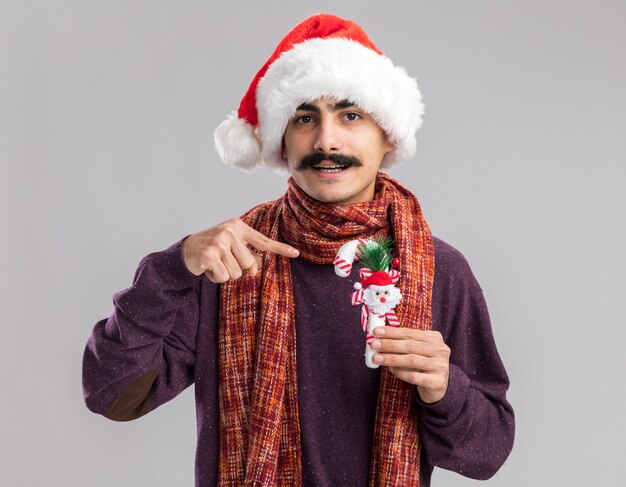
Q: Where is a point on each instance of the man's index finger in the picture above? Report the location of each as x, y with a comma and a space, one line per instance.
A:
266, 244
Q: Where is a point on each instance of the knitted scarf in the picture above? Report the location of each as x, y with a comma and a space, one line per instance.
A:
258, 399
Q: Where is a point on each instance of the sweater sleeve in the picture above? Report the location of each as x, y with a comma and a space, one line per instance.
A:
143, 354
471, 429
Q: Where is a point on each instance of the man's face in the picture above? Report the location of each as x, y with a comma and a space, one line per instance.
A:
334, 150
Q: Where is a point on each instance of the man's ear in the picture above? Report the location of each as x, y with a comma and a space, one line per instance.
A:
389, 146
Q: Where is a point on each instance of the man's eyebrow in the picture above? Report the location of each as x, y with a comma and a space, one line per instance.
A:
341, 105
309, 107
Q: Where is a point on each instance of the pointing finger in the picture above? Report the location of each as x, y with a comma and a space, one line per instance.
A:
266, 244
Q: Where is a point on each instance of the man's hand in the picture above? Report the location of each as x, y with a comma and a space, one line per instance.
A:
419, 357
224, 252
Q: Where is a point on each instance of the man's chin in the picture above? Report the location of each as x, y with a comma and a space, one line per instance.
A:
326, 191
341, 190
331, 193
328, 198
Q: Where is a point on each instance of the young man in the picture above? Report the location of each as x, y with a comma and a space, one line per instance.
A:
252, 312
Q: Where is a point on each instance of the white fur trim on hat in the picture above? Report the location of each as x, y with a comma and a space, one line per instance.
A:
237, 144
343, 69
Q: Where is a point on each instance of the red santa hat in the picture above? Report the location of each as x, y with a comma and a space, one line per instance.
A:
378, 278
323, 56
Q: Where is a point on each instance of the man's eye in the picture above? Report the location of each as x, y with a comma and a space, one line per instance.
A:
352, 116
304, 119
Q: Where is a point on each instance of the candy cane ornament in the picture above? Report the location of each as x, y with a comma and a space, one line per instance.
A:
376, 291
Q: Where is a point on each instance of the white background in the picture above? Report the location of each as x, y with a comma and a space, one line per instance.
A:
107, 111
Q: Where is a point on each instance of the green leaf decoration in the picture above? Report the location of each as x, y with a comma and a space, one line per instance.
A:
377, 254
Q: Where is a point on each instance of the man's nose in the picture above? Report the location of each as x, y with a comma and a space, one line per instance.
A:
328, 138
383, 299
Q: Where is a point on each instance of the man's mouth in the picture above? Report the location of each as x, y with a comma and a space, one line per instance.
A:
334, 168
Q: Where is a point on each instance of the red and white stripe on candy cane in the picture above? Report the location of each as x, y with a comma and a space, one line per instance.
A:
357, 297
346, 256
364, 312
395, 276
343, 265
392, 319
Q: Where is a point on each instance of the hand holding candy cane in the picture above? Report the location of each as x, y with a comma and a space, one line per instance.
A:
419, 357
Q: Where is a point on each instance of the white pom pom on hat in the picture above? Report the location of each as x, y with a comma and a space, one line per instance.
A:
323, 56
237, 144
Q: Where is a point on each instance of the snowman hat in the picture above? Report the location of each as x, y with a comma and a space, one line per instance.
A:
323, 56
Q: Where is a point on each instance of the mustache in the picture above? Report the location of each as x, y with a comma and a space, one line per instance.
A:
317, 157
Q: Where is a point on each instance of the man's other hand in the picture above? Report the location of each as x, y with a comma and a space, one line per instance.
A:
225, 252
419, 357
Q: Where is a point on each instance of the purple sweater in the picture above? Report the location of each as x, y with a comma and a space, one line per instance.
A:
146, 351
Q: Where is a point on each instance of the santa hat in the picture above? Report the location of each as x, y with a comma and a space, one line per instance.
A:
378, 278
323, 56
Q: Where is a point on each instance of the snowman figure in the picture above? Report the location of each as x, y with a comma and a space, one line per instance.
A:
376, 290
